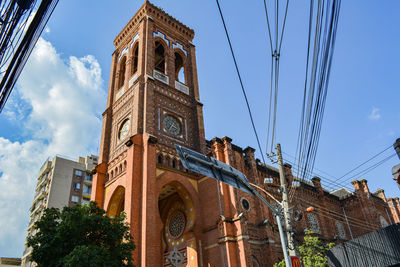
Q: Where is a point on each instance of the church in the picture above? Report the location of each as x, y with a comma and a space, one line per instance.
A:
180, 218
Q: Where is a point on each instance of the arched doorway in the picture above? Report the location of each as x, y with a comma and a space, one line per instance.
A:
117, 202
177, 215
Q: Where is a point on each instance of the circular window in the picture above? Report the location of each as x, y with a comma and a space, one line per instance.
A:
172, 125
177, 224
245, 203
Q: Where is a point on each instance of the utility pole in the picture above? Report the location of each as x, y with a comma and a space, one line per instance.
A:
285, 204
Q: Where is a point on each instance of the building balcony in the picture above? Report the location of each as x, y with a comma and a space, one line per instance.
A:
38, 207
86, 194
26, 252
88, 180
42, 181
161, 76
181, 87
39, 195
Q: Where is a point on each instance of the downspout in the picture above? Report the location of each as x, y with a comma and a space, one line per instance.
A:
348, 225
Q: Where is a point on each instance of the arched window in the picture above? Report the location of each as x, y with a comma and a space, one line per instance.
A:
122, 72
159, 58
174, 163
160, 159
135, 58
179, 69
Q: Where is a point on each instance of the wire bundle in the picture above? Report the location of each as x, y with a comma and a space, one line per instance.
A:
322, 29
275, 41
16, 42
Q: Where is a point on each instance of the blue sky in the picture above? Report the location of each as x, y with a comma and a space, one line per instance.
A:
57, 104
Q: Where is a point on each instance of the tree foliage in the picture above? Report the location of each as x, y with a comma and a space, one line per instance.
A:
81, 236
312, 252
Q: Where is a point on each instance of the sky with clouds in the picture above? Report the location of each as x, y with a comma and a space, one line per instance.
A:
57, 104
55, 107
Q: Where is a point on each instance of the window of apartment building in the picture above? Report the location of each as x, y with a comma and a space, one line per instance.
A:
78, 173
75, 199
88, 177
77, 185
87, 189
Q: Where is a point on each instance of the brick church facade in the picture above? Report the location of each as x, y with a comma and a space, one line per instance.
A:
179, 218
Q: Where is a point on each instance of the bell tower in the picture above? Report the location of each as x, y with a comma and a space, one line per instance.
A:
152, 104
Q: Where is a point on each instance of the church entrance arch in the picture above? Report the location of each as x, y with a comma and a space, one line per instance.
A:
177, 215
117, 202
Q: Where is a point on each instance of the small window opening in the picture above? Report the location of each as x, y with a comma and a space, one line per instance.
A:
135, 59
159, 160
159, 63
174, 163
122, 72
179, 69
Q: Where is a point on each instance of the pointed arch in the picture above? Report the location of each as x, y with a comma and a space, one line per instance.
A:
180, 67
135, 58
159, 56
122, 68
117, 202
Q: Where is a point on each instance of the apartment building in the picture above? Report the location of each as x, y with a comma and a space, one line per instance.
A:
61, 182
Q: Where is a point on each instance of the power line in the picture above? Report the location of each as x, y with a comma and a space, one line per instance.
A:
274, 75
355, 221
365, 162
367, 170
316, 84
240, 80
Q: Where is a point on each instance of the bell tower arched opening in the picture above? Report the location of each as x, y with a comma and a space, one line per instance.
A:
179, 68
135, 58
122, 69
159, 57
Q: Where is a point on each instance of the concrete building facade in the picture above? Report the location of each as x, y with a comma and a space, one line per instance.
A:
61, 182
179, 218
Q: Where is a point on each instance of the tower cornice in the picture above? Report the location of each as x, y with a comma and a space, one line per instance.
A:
156, 13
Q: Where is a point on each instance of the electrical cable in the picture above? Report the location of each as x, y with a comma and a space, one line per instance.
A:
356, 221
241, 83
316, 82
367, 170
274, 85
365, 162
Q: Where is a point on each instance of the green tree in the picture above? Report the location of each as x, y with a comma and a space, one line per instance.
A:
312, 252
81, 236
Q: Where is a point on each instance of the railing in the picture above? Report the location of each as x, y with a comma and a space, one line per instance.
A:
161, 76
88, 179
181, 87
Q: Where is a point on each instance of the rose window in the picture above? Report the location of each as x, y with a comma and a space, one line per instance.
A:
177, 224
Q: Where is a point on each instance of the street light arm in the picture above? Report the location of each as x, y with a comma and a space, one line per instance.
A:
266, 192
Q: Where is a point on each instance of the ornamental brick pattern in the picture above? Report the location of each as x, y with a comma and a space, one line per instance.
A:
179, 218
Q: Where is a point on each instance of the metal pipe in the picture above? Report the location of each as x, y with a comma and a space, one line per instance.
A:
387, 213
348, 225
283, 241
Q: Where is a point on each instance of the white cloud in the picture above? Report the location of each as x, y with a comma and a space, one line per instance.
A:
375, 114
66, 99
